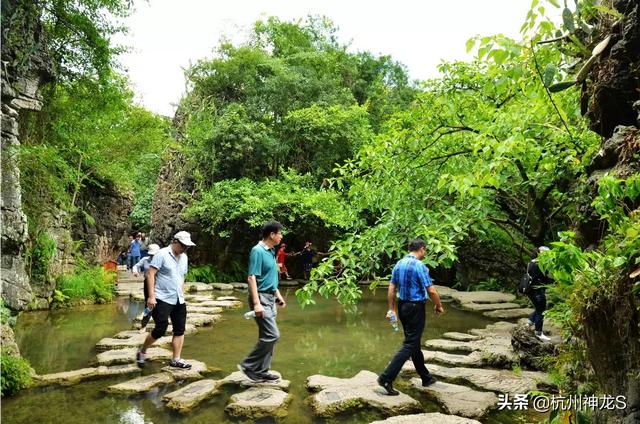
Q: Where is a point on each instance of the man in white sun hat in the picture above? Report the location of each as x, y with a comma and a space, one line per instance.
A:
166, 297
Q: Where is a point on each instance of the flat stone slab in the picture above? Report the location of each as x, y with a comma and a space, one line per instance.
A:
240, 286
495, 350
197, 309
193, 373
461, 337
481, 307
224, 304
473, 359
239, 379
445, 292
197, 287
336, 395
428, 418
288, 283
199, 320
500, 328
501, 381
258, 402
221, 286
459, 400
68, 378
128, 355
509, 313
141, 384
197, 298
226, 298
185, 399
482, 297
189, 328
109, 343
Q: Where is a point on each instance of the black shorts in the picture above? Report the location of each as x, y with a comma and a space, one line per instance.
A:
161, 314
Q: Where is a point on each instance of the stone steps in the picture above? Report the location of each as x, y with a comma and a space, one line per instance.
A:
509, 313
188, 397
427, 418
69, 378
459, 400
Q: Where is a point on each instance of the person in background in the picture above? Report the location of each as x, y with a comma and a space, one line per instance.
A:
144, 249
263, 296
410, 277
165, 283
537, 294
134, 251
308, 254
281, 255
143, 266
129, 258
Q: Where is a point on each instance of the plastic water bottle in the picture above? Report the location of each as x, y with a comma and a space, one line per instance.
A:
250, 314
146, 312
394, 321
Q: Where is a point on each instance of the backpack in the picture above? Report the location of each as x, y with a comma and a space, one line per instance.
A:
524, 288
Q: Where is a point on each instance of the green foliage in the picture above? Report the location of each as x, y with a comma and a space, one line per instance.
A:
86, 283
39, 255
6, 318
292, 198
210, 274
16, 374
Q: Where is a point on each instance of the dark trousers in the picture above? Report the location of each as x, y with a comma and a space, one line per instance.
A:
145, 318
259, 359
539, 300
412, 317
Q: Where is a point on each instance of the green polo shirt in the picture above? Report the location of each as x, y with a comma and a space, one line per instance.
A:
262, 264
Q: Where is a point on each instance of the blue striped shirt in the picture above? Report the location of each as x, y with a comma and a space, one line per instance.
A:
411, 278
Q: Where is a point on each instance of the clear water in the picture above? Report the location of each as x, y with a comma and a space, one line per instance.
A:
322, 339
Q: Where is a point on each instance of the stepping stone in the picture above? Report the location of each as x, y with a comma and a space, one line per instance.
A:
196, 298
226, 298
482, 297
69, 378
111, 343
197, 309
288, 283
239, 379
224, 304
200, 320
193, 373
500, 328
189, 328
258, 402
336, 395
459, 400
197, 287
137, 296
461, 337
472, 359
481, 307
428, 418
141, 384
221, 286
240, 286
509, 313
445, 292
494, 350
501, 381
188, 397
128, 355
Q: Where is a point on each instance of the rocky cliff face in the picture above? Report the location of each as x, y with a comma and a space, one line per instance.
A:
24, 69
611, 324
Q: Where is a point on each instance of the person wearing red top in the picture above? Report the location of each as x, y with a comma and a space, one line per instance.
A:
280, 258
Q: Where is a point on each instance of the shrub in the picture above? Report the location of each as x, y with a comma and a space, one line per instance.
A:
5, 315
86, 283
16, 374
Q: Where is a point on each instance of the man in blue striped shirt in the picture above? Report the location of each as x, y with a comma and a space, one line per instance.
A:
410, 277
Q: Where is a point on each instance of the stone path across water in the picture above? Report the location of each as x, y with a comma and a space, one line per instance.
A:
258, 402
459, 400
429, 418
188, 397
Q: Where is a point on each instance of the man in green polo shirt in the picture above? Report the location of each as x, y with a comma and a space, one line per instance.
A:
263, 296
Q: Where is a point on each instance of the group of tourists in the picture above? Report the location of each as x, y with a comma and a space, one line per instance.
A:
137, 248
307, 253
409, 290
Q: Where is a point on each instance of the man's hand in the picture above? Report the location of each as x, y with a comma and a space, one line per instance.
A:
151, 302
136, 274
438, 309
391, 312
280, 301
258, 309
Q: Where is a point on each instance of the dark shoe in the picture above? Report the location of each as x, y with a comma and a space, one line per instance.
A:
251, 375
388, 386
269, 377
428, 381
141, 358
179, 364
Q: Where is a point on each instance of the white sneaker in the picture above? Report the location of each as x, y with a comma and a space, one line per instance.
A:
542, 337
